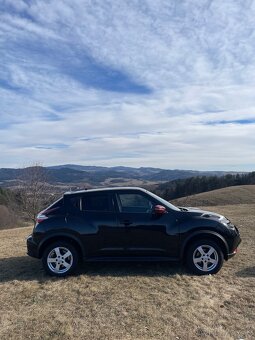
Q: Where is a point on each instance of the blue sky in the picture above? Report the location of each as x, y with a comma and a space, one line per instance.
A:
161, 83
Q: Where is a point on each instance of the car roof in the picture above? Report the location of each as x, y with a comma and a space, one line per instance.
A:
78, 192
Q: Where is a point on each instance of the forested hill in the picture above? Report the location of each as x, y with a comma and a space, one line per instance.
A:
102, 176
194, 185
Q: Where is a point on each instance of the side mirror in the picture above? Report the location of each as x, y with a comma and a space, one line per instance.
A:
159, 210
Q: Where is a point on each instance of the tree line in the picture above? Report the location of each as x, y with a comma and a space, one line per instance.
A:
195, 185
31, 193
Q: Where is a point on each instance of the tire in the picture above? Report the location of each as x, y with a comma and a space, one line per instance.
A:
60, 259
204, 257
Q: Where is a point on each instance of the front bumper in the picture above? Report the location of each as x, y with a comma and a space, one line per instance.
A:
234, 247
32, 247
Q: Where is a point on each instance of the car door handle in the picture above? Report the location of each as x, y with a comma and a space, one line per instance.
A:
126, 222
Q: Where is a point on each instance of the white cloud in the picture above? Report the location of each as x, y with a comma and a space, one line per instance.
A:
197, 57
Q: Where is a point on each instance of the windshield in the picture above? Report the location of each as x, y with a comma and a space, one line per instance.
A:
169, 205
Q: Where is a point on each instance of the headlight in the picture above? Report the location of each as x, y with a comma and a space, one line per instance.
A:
227, 223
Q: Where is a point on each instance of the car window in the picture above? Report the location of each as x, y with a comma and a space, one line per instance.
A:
134, 203
75, 203
96, 202
57, 204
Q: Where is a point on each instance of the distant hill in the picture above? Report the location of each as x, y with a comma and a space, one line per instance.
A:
100, 176
197, 184
243, 194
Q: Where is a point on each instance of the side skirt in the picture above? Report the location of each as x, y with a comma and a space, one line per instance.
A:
133, 259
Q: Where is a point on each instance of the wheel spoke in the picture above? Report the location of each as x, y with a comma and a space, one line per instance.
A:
57, 251
68, 253
57, 266
211, 250
52, 260
66, 265
201, 250
198, 259
205, 266
212, 261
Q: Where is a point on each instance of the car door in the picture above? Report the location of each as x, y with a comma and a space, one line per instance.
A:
95, 216
147, 233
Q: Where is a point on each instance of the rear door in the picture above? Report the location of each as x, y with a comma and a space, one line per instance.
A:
95, 217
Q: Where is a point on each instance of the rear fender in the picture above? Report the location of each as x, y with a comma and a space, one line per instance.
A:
61, 236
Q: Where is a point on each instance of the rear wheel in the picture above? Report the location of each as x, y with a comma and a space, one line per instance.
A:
60, 259
204, 257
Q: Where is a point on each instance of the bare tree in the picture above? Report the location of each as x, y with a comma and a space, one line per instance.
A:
33, 191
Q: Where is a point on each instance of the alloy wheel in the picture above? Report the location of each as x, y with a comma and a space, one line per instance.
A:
60, 260
205, 258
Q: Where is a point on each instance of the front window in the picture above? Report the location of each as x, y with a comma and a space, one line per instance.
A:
164, 202
134, 203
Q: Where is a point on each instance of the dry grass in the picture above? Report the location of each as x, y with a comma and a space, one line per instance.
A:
9, 219
128, 301
244, 194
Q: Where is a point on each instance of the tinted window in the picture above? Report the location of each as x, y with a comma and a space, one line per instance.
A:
57, 204
75, 203
134, 203
54, 208
96, 202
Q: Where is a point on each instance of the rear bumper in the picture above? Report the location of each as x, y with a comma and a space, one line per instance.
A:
32, 247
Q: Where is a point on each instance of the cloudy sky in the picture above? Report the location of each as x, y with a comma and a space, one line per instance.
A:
160, 83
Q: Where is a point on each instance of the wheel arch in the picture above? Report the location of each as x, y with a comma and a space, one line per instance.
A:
65, 238
205, 234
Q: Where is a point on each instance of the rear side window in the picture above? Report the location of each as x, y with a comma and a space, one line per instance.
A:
56, 204
96, 202
55, 207
75, 203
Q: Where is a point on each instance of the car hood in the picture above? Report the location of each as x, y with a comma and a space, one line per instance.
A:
197, 212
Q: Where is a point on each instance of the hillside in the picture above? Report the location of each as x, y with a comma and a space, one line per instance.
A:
79, 175
243, 194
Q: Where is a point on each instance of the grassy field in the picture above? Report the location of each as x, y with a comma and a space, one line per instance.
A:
243, 194
129, 301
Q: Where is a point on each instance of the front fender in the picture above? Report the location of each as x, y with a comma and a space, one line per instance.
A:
198, 234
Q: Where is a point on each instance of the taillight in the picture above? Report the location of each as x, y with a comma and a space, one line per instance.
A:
43, 215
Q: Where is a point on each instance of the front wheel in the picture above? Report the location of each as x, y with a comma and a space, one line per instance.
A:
204, 257
60, 259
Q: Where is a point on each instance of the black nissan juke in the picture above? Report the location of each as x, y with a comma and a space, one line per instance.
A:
132, 224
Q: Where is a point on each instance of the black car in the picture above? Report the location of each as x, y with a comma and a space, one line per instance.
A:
129, 224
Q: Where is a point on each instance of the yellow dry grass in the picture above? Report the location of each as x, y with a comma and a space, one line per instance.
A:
243, 194
128, 301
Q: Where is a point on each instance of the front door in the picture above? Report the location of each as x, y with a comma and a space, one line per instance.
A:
147, 234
